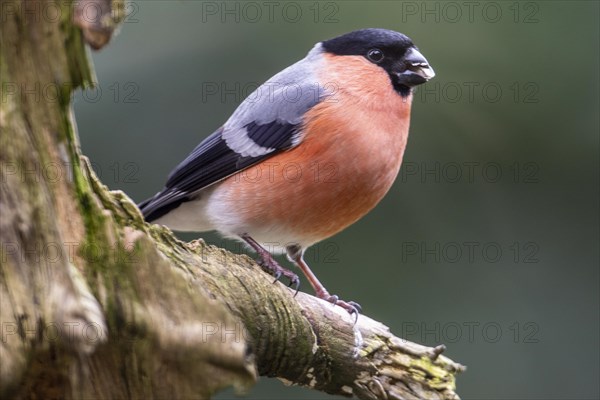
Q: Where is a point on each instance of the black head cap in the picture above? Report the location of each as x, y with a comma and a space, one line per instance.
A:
392, 51
357, 43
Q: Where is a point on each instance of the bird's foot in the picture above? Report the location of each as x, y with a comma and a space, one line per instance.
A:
295, 255
269, 265
352, 307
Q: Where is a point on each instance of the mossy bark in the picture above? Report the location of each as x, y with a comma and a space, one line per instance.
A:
95, 303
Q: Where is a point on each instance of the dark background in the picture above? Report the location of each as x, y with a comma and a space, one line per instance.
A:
487, 242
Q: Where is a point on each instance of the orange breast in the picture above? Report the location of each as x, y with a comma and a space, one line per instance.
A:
350, 155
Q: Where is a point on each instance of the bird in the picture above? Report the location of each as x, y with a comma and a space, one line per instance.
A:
304, 156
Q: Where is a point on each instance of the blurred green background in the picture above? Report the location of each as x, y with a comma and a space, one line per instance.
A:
488, 241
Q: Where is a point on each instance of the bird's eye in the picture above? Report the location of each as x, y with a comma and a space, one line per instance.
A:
375, 55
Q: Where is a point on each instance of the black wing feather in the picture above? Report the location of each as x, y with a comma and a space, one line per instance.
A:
211, 161
274, 135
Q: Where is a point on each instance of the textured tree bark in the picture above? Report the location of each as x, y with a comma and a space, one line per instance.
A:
94, 303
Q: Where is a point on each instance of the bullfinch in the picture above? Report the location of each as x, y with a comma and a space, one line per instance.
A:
305, 155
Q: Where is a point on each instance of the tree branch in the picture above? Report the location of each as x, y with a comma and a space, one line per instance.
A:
94, 302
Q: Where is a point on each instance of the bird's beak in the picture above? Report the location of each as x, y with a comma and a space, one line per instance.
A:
415, 69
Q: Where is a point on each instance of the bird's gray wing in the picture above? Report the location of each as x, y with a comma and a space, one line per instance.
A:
266, 123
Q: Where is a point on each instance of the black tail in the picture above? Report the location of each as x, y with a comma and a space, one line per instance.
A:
160, 204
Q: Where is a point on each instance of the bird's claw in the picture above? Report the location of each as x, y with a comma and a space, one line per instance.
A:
295, 281
333, 299
277, 275
351, 306
277, 271
356, 306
